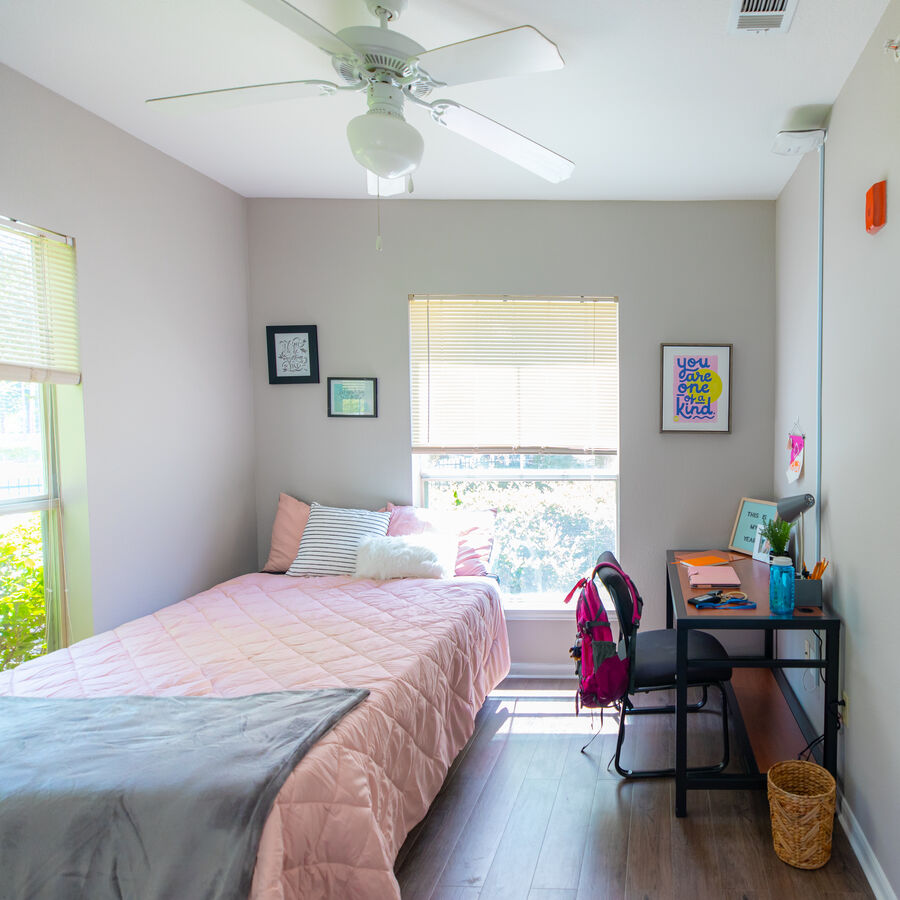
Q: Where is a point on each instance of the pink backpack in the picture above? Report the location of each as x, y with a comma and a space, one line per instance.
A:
601, 668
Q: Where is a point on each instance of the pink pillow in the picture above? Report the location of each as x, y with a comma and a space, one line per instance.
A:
290, 520
474, 530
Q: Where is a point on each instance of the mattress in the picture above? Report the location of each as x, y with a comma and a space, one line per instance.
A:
428, 650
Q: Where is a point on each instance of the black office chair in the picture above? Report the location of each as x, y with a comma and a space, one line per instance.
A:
652, 668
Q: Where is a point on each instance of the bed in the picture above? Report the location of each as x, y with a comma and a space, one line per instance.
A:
429, 650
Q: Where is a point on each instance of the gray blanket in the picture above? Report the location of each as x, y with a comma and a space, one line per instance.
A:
147, 797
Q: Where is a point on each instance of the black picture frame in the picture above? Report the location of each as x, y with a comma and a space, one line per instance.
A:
342, 392
293, 354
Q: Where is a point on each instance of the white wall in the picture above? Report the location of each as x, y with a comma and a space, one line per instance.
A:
860, 429
162, 268
682, 272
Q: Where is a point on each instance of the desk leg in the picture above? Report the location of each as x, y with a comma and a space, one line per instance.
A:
832, 668
681, 722
669, 601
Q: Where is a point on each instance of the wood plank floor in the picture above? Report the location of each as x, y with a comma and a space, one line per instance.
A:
525, 815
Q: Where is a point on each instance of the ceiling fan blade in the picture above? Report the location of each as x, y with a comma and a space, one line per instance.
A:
516, 51
228, 98
300, 23
502, 140
386, 187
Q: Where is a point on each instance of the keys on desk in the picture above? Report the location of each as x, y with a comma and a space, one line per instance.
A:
726, 604
720, 600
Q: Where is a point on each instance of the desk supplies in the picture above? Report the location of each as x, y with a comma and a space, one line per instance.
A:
819, 569
709, 558
722, 600
713, 576
808, 593
727, 604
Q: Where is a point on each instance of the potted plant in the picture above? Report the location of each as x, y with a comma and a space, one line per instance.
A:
777, 532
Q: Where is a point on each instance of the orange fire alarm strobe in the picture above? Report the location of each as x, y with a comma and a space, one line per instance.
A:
876, 207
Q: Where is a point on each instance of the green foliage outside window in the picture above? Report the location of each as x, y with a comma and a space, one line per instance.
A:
23, 617
548, 533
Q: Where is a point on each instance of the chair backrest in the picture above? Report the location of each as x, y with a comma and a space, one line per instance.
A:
621, 598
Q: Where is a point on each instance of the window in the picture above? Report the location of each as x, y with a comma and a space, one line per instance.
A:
515, 406
38, 350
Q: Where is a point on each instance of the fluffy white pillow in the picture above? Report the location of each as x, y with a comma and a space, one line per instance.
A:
415, 556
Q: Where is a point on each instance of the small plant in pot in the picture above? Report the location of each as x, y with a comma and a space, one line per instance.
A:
777, 532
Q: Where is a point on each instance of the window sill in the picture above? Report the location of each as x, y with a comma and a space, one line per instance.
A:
537, 606
534, 607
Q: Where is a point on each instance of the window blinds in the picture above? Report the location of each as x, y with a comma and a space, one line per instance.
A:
38, 310
501, 374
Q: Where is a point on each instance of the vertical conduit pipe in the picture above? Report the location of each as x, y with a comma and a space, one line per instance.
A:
819, 317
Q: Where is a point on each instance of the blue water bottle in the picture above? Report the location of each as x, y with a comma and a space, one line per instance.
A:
781, 586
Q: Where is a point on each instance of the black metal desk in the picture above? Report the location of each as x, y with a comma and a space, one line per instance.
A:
755, 583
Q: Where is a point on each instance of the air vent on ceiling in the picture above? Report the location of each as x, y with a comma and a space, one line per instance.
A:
761, 15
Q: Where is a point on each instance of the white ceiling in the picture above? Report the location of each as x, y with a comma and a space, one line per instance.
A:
656, 101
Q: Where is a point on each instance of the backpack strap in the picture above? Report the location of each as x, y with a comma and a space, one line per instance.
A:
580, 583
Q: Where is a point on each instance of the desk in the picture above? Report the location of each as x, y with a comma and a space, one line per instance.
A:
683, 617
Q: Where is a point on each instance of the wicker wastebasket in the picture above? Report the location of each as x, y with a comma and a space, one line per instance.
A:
801, 806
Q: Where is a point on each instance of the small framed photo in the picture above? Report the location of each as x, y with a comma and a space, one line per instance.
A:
750, 516
293, 354
695, 387
353, 397
761, 546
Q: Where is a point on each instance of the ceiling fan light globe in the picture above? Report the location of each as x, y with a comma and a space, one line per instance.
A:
385, 144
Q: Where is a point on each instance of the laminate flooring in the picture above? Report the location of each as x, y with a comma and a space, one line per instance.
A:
525, 815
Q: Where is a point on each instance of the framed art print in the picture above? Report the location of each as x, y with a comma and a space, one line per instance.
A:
293, 354
761, 547
353, 397
695, 387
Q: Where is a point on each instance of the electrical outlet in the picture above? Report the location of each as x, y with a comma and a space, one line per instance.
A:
806, 649
845, 709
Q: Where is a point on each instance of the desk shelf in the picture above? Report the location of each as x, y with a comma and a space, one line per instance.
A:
771, 728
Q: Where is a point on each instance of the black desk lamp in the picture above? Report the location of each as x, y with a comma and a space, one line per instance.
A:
792, 508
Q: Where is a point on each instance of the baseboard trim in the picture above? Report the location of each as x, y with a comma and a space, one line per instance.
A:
541, 670
878, 881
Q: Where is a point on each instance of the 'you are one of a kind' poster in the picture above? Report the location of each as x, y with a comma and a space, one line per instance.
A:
696, 387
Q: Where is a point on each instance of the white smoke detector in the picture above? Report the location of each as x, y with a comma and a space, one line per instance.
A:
761, 15
796, 143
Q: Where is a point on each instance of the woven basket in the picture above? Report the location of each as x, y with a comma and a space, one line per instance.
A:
801, 806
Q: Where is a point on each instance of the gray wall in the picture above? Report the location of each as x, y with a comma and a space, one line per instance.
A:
162, 268
860, 430
682, 272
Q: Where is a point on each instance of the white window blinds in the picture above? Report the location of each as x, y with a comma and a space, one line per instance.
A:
514, 374
38, 310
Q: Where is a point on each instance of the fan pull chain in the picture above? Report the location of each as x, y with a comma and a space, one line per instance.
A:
378, 208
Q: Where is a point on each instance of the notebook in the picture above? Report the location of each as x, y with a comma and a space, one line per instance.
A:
709, 559
713, 576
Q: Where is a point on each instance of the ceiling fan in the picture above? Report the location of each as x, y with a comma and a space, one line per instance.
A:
393, 69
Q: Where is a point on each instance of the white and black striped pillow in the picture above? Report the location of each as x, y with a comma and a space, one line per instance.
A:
331, 538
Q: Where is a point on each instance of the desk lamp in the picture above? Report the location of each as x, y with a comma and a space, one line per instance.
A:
792, 508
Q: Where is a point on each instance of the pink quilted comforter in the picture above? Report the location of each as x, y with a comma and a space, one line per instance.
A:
428, 650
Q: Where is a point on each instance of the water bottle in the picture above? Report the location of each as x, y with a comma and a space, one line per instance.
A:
781, 586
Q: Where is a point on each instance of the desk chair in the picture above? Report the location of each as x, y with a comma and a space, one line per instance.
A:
651, 656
